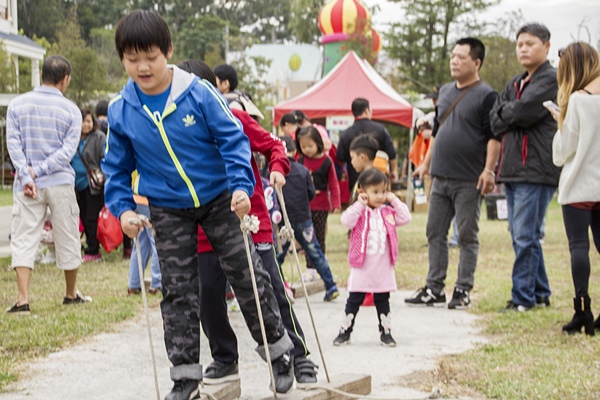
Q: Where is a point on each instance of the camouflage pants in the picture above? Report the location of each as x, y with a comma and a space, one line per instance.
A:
177, 247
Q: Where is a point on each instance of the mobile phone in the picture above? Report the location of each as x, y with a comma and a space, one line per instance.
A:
549, 104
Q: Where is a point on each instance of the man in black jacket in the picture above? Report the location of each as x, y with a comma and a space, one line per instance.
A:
527, 129
362, 124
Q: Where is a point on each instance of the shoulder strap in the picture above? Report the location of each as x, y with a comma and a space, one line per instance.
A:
300, 160
456, 101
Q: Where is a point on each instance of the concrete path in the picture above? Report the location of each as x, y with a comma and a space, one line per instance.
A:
118, 365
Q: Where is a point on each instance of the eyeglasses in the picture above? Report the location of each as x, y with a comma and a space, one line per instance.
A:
561, 52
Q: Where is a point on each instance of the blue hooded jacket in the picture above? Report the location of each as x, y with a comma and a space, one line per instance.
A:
194, 153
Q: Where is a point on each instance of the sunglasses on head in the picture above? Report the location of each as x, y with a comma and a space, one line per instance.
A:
561, 52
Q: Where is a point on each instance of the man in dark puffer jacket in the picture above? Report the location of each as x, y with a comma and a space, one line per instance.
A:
525, 167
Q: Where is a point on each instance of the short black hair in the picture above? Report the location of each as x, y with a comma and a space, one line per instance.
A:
477, 51
371, 177
101, 108
300, 116
142, 30
535, 29
313, 133
289, 143
226, 72
359, 105
365, 144
288, 118
200, 69
54, 70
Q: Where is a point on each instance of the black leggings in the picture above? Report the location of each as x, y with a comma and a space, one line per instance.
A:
577, 223
355, 300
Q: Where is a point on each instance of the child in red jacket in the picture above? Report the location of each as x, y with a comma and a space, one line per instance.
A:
310, 146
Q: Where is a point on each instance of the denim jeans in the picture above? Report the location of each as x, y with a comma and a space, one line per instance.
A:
527, 204
304, 232
147, 248
449, 198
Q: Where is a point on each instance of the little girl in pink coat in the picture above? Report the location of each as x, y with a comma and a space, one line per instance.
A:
373, 251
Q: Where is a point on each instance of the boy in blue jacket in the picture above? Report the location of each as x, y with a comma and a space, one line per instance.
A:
193, 160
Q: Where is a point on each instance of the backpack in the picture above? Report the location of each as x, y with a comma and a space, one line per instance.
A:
320, 176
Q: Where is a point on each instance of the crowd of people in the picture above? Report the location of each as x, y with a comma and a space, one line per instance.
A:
139, 156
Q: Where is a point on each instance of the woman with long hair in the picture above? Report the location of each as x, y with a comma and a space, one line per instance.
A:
576, 148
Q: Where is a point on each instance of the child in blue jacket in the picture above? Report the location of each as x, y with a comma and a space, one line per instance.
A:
194, 166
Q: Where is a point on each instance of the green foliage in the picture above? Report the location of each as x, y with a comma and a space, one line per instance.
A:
88, 74
422, 41
7, 76
303, 24
500, 60
103, 43
249, 71
200, 35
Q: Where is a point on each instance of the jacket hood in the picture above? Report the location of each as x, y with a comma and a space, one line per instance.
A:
180, 85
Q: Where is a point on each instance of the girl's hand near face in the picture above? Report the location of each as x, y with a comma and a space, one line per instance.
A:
363, 199
391, 197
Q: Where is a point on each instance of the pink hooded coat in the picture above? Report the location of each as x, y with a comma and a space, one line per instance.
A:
373, 270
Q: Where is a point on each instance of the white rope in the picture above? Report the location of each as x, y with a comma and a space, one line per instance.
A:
251, 223
436, 393
288, 231
136, 221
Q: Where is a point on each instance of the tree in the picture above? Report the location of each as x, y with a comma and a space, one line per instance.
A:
501, 63
7, 76
422, 41
88, 74
303, 23
249, 73
199, 35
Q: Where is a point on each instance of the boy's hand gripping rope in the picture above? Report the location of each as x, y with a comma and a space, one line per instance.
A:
288, 233
250, 224
137, 221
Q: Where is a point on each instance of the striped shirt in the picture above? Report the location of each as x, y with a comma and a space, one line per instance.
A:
42, 131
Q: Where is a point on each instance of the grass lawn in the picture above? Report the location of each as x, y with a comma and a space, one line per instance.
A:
6, 197
527, 357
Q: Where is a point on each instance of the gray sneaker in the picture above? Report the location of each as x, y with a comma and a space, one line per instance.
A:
305, 371
425, 297
283, 374
218, 372
184, 390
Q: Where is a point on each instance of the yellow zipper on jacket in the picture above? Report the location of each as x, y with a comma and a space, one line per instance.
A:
165, 140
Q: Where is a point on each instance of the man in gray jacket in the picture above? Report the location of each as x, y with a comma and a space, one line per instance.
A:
526, 129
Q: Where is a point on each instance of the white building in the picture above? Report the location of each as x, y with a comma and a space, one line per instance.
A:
17, 46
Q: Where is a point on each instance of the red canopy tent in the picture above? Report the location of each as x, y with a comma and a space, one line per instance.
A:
349, 79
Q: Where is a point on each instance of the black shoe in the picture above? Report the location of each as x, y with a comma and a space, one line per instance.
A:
543, 301
583, 317
23, 309
426, 297
283, 374
218, 372
387, 339
184, 390
460, 299
510, 307
342, 338
79, 299
305, 371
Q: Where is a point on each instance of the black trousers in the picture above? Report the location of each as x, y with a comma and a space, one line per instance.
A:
90, 206
213, 308
577, 224
355, 299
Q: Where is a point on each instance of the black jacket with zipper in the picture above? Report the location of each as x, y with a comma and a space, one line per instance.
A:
526, 129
